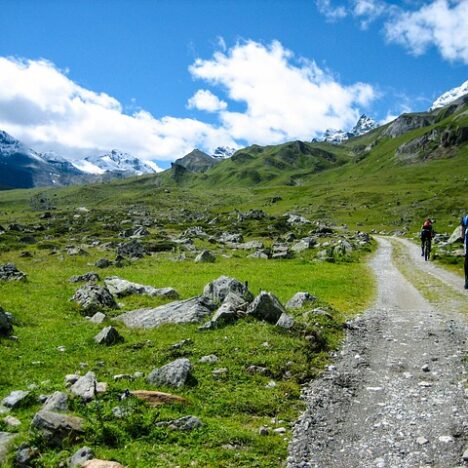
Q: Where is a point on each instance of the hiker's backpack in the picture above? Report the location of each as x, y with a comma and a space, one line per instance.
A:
427, 224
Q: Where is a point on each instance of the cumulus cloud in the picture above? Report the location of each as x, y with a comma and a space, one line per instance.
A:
442, 23
285, 98
40, 105
205, 100
331, 12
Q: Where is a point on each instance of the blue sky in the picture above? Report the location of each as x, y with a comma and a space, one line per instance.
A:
283, 69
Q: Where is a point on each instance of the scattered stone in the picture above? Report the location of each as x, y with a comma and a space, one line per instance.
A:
186, 423
77, 251
210, 359
175, 374
218, 289
425, 368
258, 370
131, 249
58, 401
227, 238
25, 456
85, 387
225, 315
121, 288
70, 379
263, 431
55, 427
261, 254
252, 245
15, 399
220, 373
446, 439
91, 298
280, 251
96, 463
90, 276
80, 456
285, 321
280, 430
421, 441
6, 326
271, 384
12, 421
5, 441
299, 300
304, 244
266, 307
98, 318
119, 377
182, 343
103, 263
9, 272
205, 256
294, 219
108, 336
157, 398
193, 310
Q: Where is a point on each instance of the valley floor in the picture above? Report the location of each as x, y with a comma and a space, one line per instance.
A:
396, 395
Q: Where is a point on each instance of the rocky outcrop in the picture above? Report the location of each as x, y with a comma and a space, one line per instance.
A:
55, 427
266, 307
300, 299
9, 272
90, 276
121, 288
218, 289
407, 122
92, 298
186, 423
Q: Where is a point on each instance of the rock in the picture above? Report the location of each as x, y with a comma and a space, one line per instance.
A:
225, 315
342, 248
294, 219
218, 289
266, 307
456, 236
263, 431
103, 263
5, 441
157, 398
108, 336
90, 276
285, 321
205, 256
85, 387
193, 310
121, 288
12, 421
81, 455
96, 463
465, 455
70, 379
55, 427
98, 318
119, 377
220, 373
91, 298
252, 245
262, 254
230, 238
9, 272
58, 401
175, 374
279, 251
304, 244
131, 249
186, 423
25, 456
280, 430
15, 399
77, 251
421, 441
210, 359
425, 368
258, 370
299, 300
6, 326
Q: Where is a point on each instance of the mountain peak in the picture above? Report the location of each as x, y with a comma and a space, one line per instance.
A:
449, 96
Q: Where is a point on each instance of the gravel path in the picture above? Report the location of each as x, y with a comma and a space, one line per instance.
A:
395, 396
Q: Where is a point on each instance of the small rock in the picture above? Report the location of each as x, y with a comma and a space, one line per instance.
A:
263, 431
9, 272
300, 299
91, 298
205, 257
5, 440
108, 336
55, 427
103, 263
25, 456
425, 368
186, 423
421, 441
210, 359
175, 374
280, 430
80, 456
98, 318
220, 373
271, 384
15, 398
285, 321
123, 377
85, 387
12, 421
90, 276
266, 307
70, 379
58, 401
96, 463
446, 439
258, 370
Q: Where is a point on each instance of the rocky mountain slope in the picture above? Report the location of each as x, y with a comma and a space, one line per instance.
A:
450, 96
196, 161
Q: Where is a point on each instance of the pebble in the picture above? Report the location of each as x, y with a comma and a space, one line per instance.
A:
446, 439
421, 441
425, 368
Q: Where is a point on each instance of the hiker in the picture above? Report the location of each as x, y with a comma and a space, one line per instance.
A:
464, 229
426, 233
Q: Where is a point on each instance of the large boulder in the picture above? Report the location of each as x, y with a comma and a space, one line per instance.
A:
205, 256
55, 427
6, 326
456, 236
266, 307
85, 387
193, 310
92, 298
218, 289
121, 288
175, 374
9, 272
131, 249
300, 299
58, 401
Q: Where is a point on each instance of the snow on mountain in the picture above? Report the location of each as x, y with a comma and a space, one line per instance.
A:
335, 136
10, 146
450, 96
223, 152
116, 161
364, 124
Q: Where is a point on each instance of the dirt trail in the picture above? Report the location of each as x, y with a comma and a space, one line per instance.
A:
395, 396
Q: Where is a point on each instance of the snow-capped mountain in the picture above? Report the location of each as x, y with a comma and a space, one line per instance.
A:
450, 96
223, 152
116, 161
363, 125
196, 161
10, 146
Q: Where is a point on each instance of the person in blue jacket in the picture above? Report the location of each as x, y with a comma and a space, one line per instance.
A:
464, 226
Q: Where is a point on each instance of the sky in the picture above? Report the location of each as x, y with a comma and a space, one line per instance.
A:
157, 78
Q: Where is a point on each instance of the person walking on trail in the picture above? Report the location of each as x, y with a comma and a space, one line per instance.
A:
464, 227
426, 233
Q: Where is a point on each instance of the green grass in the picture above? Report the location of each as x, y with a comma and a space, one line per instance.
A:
232, 409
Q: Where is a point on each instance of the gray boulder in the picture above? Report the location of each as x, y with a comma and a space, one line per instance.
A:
6, 327
456, 236
58, 401
205, 256
218, 289
300, 299
225, 315
15, 399
103, 263
175, 374
9, 272
251, 245
303, 244
131, 249
92, 298
55, 427
90, 276
280, 251
285, 321
226, 237
5, 440
77, 251
186, 423
121, 288
262, 254
80, 456
25, 456
266, 307
298, 220
85, 387
98, 318
193, 310
108, 336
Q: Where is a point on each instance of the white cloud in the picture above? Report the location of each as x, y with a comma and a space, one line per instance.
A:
369, 10
332, 13
285, 98
205, 100
442, 23
40, 105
